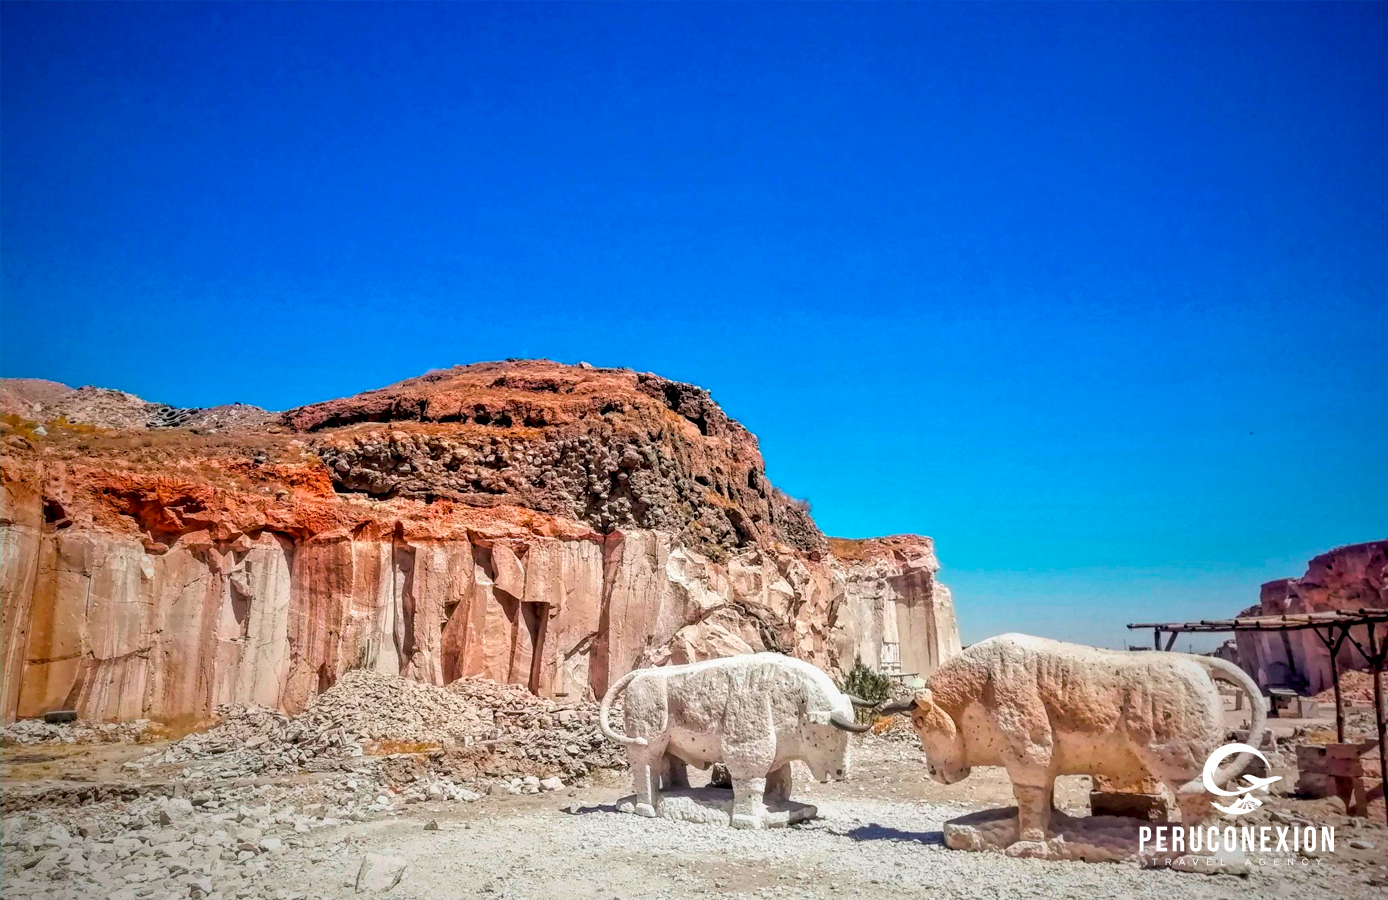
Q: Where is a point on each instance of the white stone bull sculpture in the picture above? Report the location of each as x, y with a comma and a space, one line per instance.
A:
754, 713
1042, 708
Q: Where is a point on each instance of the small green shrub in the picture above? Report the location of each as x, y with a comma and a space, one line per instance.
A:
865, 684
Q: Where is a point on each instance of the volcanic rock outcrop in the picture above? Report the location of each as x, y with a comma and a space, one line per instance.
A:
1347, 578
533, 523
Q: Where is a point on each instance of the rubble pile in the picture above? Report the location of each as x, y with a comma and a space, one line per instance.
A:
369, 714
897, 729
561, 737
37, 731
1355, 687
387, 707
252, 740
1359, 726
205, 844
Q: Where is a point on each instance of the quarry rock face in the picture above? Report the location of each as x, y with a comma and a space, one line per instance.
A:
883, 575
536, 524
1347, 578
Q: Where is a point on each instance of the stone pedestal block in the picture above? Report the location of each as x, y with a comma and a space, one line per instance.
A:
1085, 839
1127, 805
714, 806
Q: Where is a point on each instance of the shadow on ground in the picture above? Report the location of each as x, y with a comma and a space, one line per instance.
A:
883, 833
575, 809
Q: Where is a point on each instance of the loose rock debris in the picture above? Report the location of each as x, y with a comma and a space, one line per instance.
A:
354, 816
36, 731
472, 727
363, 750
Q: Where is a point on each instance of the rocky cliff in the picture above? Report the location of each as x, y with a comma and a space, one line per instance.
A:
539, 524
1347, 578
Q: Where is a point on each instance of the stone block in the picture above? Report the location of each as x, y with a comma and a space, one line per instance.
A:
714, 806
1147, 807
1079, 838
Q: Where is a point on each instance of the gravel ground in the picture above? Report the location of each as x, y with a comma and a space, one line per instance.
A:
858, 848
391, 831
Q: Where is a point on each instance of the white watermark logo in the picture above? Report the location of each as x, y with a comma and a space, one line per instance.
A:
1277, 841
1246, 802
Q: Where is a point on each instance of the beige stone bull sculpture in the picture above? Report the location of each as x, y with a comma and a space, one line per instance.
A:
754, 713
1042, 708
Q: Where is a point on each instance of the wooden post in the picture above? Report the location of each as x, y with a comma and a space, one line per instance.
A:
1374, 656
1339, 701
1376, 663
1334, 648
1156, 638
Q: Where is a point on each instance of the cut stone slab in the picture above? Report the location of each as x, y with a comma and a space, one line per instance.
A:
712, 806
1150, 807
1080, 838
379, 872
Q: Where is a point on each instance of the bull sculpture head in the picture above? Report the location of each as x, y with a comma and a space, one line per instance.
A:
940, 739
831, 758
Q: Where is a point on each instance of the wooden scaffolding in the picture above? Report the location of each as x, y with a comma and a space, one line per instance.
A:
1333, 629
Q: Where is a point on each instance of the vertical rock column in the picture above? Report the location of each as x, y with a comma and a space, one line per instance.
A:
21, 552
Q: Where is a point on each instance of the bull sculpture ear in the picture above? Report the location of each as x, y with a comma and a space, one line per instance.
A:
818, 718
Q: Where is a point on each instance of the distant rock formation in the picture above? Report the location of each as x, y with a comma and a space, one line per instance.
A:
41, 401
539, 524
1346, 578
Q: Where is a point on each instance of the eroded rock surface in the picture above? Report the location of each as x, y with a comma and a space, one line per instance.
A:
612, 447
536, 524
1347, 578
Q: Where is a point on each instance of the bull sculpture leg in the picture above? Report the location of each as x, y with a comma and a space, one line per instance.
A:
647, 769
1029, 742
749, 802
778, 784
1195, 807
676, 773
1033, 817
1177, 757
748, 765
647, 719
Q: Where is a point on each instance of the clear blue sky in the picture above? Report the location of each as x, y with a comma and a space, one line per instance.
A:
1095, 295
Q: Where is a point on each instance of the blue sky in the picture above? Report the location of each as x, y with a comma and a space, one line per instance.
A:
1093, 294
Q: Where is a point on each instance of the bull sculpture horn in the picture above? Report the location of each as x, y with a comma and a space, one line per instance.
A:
838, 721
859, 702
898, 706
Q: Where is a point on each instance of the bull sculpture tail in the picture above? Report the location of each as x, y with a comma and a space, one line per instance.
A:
1223, 670
605, 711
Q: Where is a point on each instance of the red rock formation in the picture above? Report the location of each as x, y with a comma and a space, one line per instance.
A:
538, 524
1346, 578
